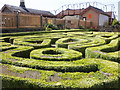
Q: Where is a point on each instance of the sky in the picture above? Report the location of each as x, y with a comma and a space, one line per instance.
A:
50, 5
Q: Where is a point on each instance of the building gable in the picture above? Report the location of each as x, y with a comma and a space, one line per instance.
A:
92, 16
6, 10
11, 9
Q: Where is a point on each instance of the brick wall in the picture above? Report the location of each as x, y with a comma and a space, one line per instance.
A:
36, 21
93, 17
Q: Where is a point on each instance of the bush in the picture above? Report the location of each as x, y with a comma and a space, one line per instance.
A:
81, 27
108, 52
35, 42
102, 74
115, 22
49, 27
55, 54
60, 67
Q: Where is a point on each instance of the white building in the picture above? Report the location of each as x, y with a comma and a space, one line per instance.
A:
119, 11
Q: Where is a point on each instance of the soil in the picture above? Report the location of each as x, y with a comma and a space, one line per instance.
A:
109, 29
54, 78
26, 74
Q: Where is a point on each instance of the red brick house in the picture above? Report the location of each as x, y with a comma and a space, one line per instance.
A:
97, 16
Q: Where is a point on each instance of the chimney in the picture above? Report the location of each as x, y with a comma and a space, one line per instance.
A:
22, 3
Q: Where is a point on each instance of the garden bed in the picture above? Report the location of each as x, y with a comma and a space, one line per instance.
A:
60, 59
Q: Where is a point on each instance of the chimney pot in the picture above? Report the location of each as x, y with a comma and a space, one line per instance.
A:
22, 3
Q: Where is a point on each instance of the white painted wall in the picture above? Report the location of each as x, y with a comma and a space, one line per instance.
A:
103, 19
71, 17
119, 11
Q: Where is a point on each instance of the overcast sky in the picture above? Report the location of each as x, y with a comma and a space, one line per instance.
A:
50, 5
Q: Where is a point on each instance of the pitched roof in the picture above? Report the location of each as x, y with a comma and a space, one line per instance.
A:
95, 9
14, 8
70, 12
27, 10
80, 11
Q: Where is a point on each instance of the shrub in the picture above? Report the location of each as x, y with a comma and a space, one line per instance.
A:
49, 27
35, 42
55, 54
108, 52
60, 67
106, 75
115, 22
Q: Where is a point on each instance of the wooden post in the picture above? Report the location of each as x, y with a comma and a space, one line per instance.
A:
17, 20
78, 23
64, 24
41, 21
55, 21
46, 20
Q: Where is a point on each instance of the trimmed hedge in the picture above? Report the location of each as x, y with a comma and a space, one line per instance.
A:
82, 46
105, 77
50, 72
4, 41
55, 54
74, 34
35, 42
108, 36
5, 48
40, 32
109, 51
64, 42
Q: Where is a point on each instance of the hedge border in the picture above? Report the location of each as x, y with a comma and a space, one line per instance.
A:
45, 43
91, 82
66, 54
97, 52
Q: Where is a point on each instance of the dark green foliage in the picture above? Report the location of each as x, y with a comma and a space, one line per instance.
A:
49, 27
115, 22
33, 61
53, 54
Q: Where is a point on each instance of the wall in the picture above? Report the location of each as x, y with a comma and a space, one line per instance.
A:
75, 17
12, 21
119, 10
94, 17
8, 20
103, 19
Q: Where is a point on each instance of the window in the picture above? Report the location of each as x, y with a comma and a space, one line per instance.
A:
84, 18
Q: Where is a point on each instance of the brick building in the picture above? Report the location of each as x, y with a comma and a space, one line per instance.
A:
90, 17
22, 9
92, 14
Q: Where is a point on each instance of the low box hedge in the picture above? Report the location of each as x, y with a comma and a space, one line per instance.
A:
59, 54
109, 51
105, 77
81, 47
24, 72
35, 42
64, 42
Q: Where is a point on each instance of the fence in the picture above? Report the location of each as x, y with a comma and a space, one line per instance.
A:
13, 21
